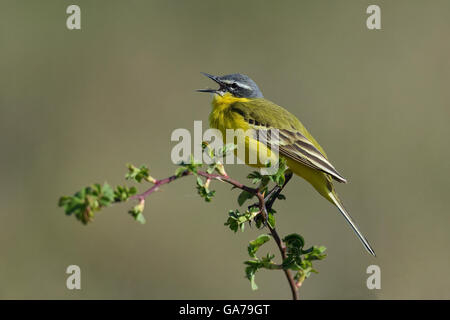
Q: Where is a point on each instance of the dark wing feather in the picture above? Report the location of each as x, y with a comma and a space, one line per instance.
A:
292, 143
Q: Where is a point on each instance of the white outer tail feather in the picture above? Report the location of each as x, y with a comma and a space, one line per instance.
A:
352, 224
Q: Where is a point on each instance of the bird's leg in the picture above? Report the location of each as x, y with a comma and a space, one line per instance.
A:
275, 192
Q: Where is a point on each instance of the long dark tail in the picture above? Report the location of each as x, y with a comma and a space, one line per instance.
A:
350, 221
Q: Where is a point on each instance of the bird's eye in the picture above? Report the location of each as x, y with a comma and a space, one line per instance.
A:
233, 86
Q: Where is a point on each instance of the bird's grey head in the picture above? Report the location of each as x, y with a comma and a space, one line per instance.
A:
239, 85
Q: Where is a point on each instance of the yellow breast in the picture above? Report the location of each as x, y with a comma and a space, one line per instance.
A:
222, 117
249, 150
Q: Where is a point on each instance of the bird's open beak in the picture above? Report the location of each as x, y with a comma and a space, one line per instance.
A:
214, 78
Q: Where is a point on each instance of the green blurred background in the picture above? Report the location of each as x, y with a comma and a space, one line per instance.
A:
76, 106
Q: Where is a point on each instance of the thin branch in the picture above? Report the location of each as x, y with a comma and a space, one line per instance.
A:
281, 247
157, 184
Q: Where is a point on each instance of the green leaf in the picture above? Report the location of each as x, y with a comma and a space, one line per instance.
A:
254, 265
233, 220
210, 152
255, 176
108, 193
123, 193
180, 171
140, 218
250, 274
254, 245
294, 240
301, 260
315, 253
136, 212
281, 197
203, 191
85, 202
279, 177
137, 174
244, 196
271, 219
236, 220
224, 150
211, 168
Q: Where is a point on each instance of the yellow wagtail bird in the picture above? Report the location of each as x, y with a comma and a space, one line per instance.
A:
239, 104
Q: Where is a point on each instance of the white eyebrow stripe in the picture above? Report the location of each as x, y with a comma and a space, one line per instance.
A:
244, 86
238, 83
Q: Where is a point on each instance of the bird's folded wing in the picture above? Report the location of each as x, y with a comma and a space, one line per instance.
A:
291, 143
294, 145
